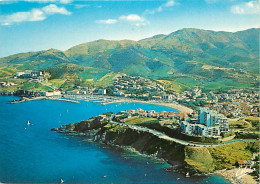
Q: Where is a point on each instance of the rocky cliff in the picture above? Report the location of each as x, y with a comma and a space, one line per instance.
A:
196, 160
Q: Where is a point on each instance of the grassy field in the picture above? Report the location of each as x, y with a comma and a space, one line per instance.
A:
254, 122
249, 123
220, 157
138, 120
36, 87
225, 156
57, 82
107, 79
173, 85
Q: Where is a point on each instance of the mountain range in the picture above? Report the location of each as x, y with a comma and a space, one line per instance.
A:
187, 57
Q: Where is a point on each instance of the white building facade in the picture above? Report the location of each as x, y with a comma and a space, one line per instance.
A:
208, 124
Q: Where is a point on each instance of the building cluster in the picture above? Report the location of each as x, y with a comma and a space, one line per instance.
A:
186, 96
208, 123
34, 76
231, 103
163, 115
236, 103
126, 85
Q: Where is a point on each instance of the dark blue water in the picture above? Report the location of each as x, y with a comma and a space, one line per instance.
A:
34, 154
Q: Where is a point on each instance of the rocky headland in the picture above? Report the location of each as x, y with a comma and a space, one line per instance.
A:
194, 160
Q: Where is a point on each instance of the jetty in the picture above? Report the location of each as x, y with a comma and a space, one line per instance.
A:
25, 99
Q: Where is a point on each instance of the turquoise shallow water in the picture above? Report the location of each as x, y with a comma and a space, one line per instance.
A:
34, 154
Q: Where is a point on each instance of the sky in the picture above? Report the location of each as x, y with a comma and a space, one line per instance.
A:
33, 25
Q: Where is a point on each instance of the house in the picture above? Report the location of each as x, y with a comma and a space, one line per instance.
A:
118, 93
73, 92
245, 163
53, 93
102, 117
102, 91
167, 97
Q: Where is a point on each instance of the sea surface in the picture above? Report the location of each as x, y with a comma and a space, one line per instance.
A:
34, 154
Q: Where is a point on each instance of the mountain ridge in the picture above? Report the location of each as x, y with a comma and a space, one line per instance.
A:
201, 56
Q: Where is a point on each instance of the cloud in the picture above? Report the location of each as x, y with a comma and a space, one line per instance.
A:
138, 20
134, 19
53, 9
217, 1
66, 1
251, 7
131, 18
108, 21
33, 15
79, 6
168, 4
39, 1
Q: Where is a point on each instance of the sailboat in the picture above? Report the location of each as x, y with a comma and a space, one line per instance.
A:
28, 123
187, 175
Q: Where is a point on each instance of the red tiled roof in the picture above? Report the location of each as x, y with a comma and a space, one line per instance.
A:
240, 161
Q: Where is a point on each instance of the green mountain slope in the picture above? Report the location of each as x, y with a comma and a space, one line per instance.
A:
35, 60
188, 56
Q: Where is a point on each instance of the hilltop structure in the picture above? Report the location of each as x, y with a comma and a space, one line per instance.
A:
209, 124
34, 76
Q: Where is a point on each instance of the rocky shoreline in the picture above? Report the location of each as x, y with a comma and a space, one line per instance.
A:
231, 175
90, 136
197, 161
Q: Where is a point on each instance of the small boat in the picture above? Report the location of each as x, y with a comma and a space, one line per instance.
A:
61, 180
187, 175
28, 123
104, 176
178, 178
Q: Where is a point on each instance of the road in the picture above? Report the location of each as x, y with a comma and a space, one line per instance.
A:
166, 137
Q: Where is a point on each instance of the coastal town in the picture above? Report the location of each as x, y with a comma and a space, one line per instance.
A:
130, 91
232, 103
204, 118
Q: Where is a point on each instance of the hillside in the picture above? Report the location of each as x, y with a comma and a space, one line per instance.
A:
187, 57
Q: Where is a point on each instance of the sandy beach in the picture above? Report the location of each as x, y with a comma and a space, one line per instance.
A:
238, 175
108, 100
178, 107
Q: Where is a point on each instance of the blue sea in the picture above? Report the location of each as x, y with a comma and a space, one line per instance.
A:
34, 154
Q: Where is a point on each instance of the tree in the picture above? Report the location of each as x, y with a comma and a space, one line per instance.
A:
237, 164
